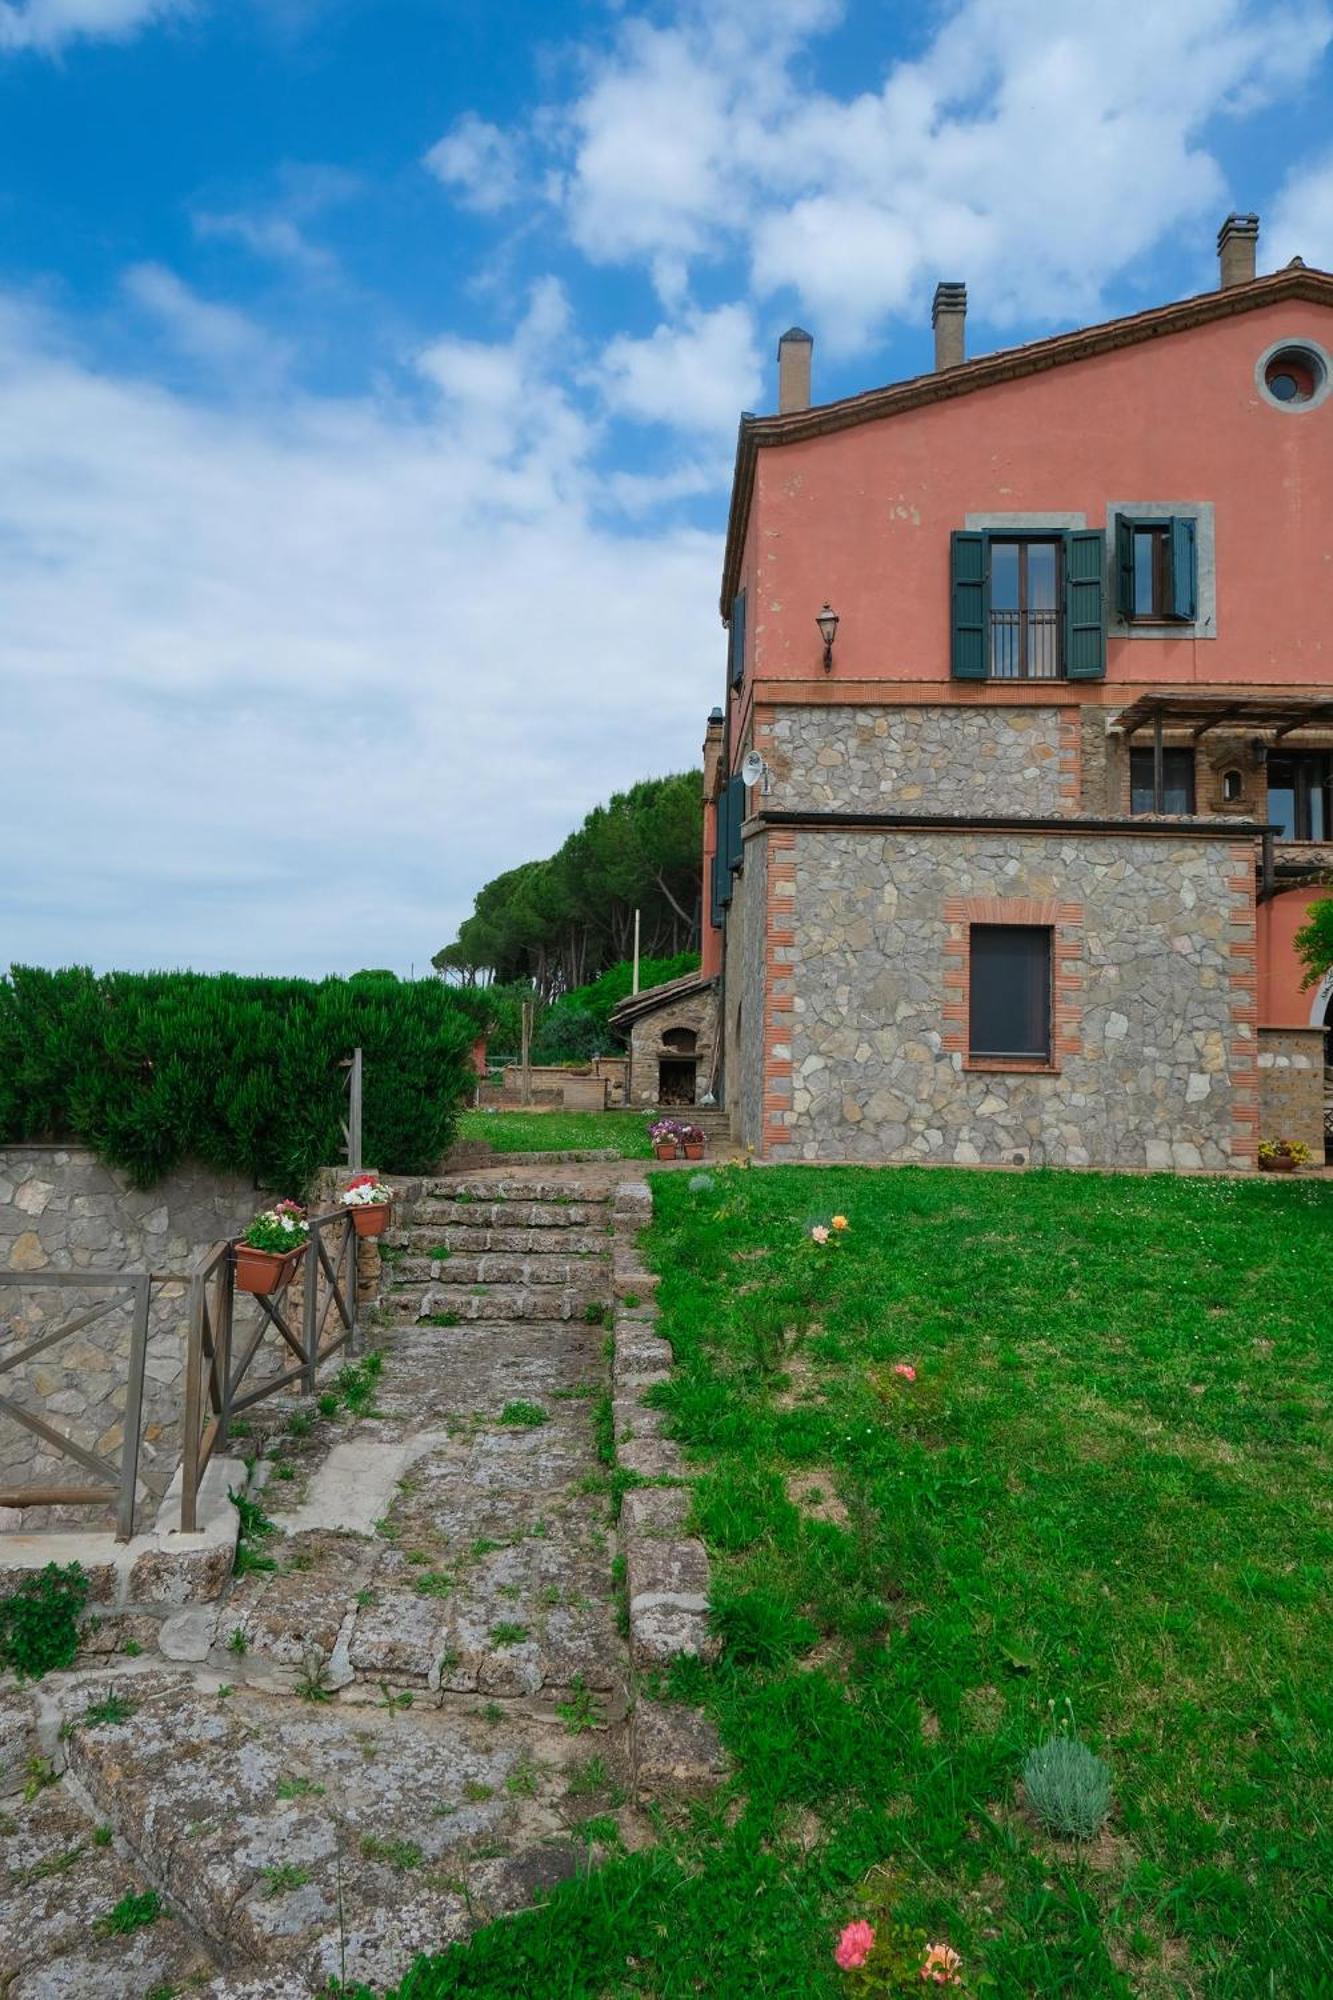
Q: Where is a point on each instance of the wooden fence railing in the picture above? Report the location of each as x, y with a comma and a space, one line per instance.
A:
113, 1481
219, 1357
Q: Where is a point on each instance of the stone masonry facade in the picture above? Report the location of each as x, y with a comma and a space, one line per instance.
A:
1154, 1056
1291, 1086
922, 759
61, 1209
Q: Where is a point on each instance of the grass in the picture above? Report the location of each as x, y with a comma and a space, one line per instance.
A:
622, 1132
1102, 1499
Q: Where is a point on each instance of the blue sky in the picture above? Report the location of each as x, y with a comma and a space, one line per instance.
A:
369, 376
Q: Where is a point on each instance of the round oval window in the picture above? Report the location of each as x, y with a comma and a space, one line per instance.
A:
1294, 375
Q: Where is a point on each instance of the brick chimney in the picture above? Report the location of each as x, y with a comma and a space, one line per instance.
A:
1237, 244
948, 316
794, 351
713, 739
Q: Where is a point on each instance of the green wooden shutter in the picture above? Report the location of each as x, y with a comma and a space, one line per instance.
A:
1124, 566
1184, 573
722, 859
736, 657
969, 594
716, 875
1085, 605
735, 821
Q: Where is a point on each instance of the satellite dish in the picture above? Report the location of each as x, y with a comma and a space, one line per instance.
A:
753, 768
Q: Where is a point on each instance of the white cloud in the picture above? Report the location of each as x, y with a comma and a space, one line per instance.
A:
275, 237
49, 24
292, 679
478, 162
695, 376
220, 338
1302, 223
1033, 149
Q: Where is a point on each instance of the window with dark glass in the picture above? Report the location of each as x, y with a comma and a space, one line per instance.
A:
1157, 570
1024, 610
1010, 1001
1300, 795
1177, 781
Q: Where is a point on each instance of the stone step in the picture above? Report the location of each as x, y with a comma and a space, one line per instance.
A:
497, 1187
477, 1239
457, 1269
456, 1305
505, 1214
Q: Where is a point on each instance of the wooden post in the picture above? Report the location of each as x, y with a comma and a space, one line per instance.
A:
354, 1113
1158, 766
194, 1411
635, 987
133, 1421
310, 1304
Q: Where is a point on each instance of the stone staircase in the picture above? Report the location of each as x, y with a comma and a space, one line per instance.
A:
478, 1249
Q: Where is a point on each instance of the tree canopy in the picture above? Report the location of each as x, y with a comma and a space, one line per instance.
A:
558, 923
1314, 942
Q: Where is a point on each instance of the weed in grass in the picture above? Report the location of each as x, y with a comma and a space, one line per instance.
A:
1068, 1787
417, 1557
102, 1836
299, 1788
300, 1424
432, 1583
39, 1621
312, 1683
327, 1404
131, 1913
438, 1319
590, 1779
254, 1527
579, 1713
38, 1773
391, 1700
284, 1472
474, 1792
440, 1254
600, 1831
237, 1642
521, 1782
282, 1877
604, 1431
401, 1855
365, 1598
41, 1871
112, 1708
506, 1633
131, 1649
492, 1712
630, 1301
225, 1691
522, 1414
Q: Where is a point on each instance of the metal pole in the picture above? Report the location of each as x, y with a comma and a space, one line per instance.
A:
354, 1113
525, 1090
1158, 766
129, 1449
635, 987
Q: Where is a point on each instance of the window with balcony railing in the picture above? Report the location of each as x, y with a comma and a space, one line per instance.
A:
1025, 611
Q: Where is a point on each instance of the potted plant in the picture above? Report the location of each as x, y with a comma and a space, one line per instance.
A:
1282, 1156
665, 1135
370, 1201
692, 1140
271, 1248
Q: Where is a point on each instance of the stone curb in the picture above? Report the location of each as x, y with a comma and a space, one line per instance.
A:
674, 1749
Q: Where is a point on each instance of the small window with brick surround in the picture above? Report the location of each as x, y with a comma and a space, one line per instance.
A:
1009, 1010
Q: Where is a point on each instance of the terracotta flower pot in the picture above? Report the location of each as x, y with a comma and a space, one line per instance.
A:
694, 1149
372, 1219
1281, 1165
666, 1149
265, 1271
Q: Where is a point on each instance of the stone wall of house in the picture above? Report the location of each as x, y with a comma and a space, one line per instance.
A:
929, 759
747, 933
697, 1015
1291, 1086
1151, 1077
62, 1210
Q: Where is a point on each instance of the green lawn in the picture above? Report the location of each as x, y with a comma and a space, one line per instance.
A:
621, 1132
1105, 1496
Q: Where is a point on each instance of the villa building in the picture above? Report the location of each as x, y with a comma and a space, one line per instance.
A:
1024, 779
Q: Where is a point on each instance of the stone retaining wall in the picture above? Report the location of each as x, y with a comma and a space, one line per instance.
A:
675, 1749
61, 1209
1154, 1014
1291, 1087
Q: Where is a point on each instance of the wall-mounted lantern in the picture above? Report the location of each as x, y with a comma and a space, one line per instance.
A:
827, 622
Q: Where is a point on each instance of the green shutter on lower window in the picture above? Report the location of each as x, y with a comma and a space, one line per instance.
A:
1085, 605
969, 591
736, 655
735, 821
1124, 566
1184, 570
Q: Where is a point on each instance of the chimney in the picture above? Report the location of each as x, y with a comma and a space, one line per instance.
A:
948, 316
713, 740
1237, 243
794, 350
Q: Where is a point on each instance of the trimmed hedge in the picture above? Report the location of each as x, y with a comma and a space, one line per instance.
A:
151, 1069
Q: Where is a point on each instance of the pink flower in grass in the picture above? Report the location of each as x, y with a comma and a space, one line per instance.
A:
854, 1946
905, 1369
819, 1233
942, 1966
